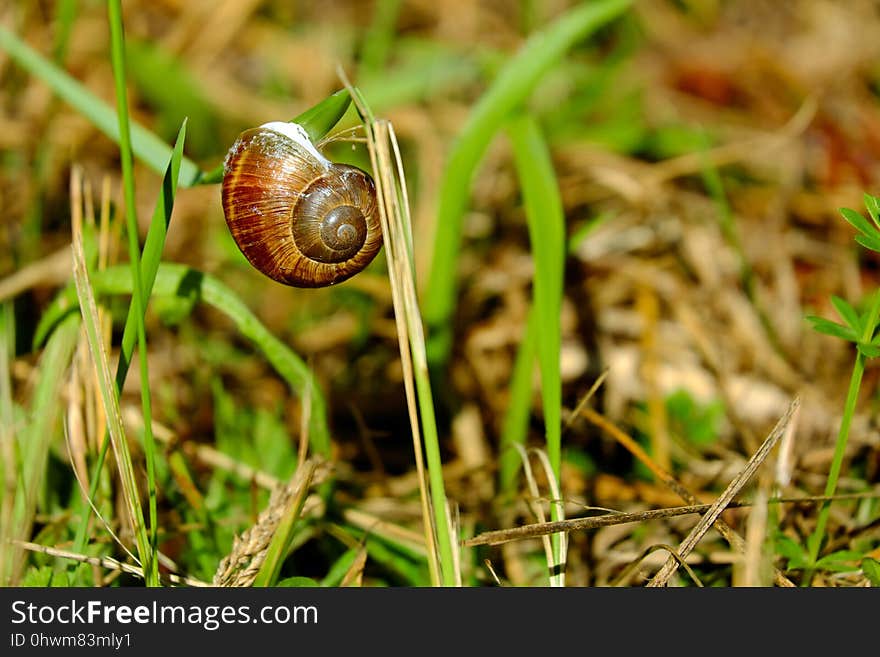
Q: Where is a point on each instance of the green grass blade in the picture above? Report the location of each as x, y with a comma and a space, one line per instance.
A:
149, 148
510, 89
152, 253
423, 69
64, 20
546, 223
816, 539
150, 259
340, 567
138, 300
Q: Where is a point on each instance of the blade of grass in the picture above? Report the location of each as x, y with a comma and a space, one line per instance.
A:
546, 224
733, 488
138, 300
149, 148
150, 258
154, 244
110, 401
397, 235
514, 83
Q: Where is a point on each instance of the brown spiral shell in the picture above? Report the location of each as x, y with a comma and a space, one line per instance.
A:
297, 217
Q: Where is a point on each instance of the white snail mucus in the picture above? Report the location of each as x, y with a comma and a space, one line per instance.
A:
299, 218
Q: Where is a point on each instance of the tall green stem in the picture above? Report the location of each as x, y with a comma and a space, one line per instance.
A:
814, 543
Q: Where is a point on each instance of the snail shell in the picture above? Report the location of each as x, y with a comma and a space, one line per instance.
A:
297, 217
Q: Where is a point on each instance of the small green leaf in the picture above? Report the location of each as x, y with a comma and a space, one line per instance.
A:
840, 561
871, 568
857, 221
828, 327
869, 242
847, 313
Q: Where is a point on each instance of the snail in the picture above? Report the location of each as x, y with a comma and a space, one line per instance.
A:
297, 217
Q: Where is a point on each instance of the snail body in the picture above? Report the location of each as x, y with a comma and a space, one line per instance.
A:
297, 217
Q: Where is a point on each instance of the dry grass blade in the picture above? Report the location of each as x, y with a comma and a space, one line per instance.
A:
396, 223
557, 569
354, 576
106, 562
92, 324
84, 491
697, 533
389, 531
538, 511
735, 540
501, 536
673, 554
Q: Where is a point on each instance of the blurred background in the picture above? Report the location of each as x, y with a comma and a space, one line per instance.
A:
702, 149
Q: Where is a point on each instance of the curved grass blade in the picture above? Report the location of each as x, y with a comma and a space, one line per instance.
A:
138, 306
152, 253
546, 224
147, 147
514, 83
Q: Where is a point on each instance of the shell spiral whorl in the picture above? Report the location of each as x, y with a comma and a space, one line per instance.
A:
297, 217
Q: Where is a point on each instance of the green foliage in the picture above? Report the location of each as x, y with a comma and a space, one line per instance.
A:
861, 329
856, 327
514, 83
